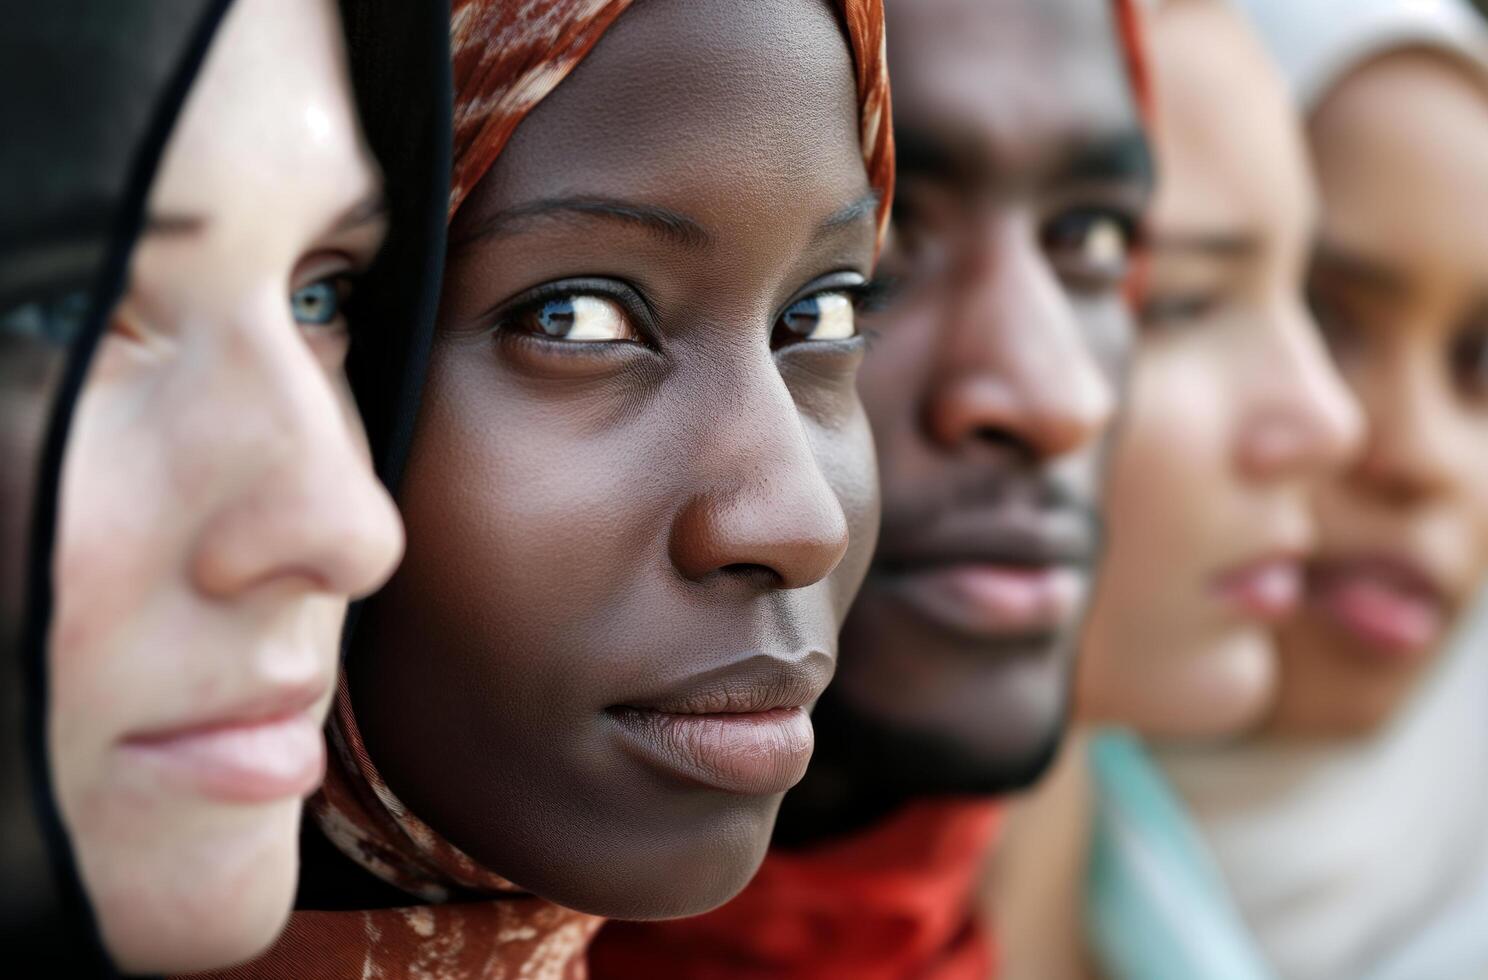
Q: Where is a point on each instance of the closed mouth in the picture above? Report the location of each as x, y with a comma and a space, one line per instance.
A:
744, 729
1388, 603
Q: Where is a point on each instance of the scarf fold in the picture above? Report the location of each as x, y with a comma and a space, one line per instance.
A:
892, 902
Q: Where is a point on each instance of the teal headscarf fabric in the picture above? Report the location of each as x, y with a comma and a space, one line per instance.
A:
1156, 904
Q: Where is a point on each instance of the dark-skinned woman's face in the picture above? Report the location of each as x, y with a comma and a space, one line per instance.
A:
642, 492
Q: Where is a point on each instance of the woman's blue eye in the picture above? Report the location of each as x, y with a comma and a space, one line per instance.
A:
316, 304
54, 321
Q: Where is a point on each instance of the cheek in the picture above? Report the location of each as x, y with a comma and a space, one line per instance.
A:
1168, 473
847, 456
507, 504
113, 542
1472, 454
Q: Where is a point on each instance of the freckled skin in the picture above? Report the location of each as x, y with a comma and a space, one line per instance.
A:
994, 375
589, 525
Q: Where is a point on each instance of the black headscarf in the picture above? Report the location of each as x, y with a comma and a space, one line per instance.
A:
89, 93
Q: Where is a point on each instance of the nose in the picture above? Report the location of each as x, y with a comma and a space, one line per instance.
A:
297, 501
763, 508
1300, 419
1017, 367
1408, 450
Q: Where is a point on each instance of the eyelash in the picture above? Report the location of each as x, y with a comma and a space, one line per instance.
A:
866, 297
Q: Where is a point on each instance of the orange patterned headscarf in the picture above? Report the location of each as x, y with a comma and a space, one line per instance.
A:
509, 54
463, 920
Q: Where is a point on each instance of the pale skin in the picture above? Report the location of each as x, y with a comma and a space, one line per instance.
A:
218, 507
1235, 403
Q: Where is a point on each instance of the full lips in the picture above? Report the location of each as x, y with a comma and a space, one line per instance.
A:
996, 600
257, 762
759, 753
1391, 608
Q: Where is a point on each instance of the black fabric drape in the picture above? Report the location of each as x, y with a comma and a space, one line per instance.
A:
88, 93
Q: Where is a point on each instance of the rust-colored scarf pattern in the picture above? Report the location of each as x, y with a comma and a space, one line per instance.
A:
509, 54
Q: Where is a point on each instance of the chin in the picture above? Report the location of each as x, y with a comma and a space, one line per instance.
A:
1326, 693
996, 731
666, 869
1214, 690
212, 894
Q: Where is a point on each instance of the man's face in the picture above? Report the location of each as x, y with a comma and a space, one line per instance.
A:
993, 382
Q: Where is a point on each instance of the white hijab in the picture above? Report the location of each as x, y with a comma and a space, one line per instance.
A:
1366, 860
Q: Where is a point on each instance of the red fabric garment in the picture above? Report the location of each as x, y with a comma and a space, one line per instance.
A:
894, 902
508, 55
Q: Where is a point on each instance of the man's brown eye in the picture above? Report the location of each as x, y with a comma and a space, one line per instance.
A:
825, 316
579, 318
1090, 244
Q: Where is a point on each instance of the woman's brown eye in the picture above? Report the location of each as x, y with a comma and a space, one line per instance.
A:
580, 318
1469, 356
825, 316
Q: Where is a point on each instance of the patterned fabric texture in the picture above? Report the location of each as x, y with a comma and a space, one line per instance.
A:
891, 902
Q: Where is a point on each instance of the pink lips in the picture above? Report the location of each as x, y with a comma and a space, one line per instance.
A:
1389, 605
996, 600
252, 758
1268, 590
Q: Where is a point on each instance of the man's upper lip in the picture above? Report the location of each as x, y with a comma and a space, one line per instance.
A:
260, 708
758, 683
1043, 540
1398, 570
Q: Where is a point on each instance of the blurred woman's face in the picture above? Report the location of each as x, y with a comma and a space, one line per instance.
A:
1234, 410
218, 508
1400, 286
642, 491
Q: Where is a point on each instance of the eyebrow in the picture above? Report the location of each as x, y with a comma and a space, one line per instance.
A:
372, 207
1370, 272
920, 151
660, 221
1116, 156
167, 225
849, 215
1229, 245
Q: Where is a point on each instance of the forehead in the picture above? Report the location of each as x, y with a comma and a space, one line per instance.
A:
1240, 167
1402, 150
703, 105
1014, 79
270, 114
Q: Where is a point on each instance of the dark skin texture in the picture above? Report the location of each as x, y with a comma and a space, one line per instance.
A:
592, 525
991, 386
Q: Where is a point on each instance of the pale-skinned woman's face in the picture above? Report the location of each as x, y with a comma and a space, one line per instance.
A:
218, 508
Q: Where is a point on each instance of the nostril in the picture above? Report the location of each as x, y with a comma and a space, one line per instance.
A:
1001, 439
762, 575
